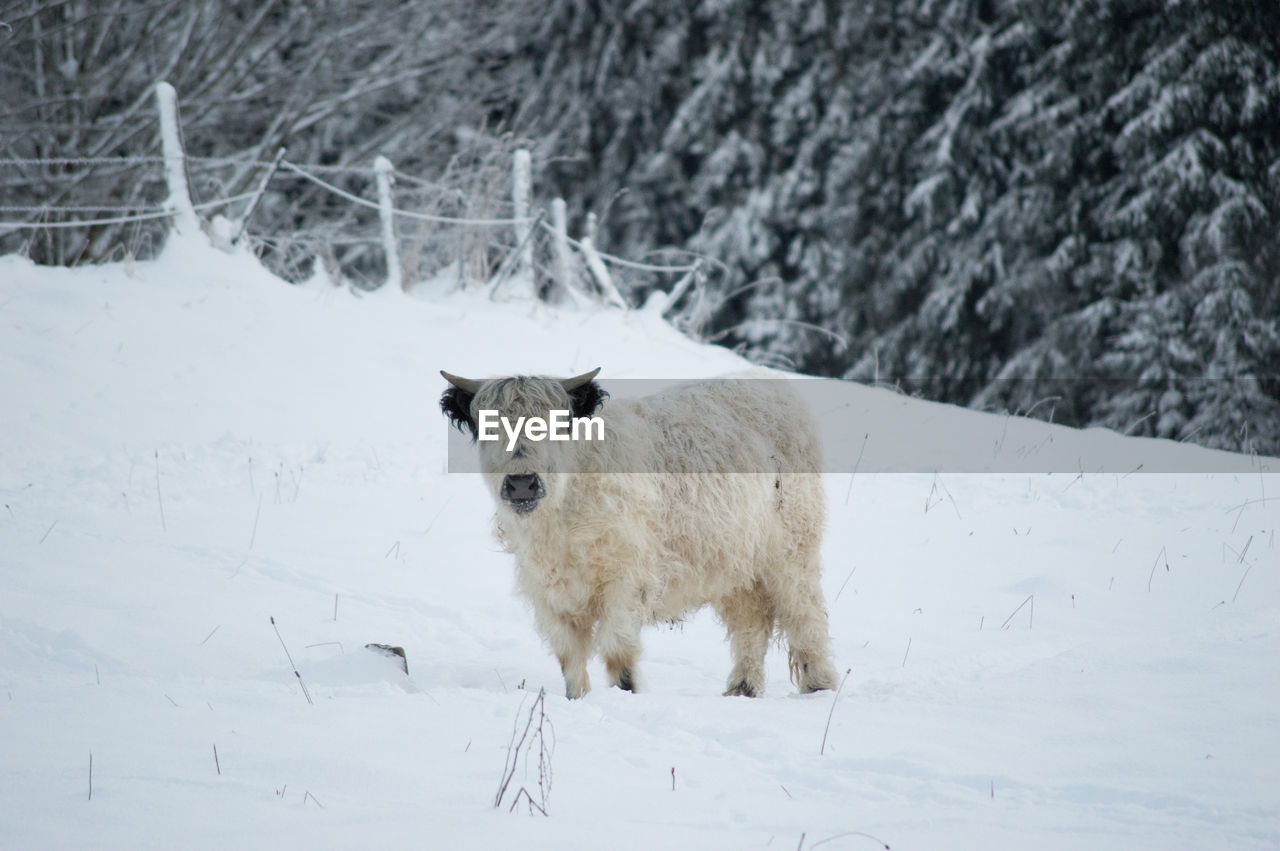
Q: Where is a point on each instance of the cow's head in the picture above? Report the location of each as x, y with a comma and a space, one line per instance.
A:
527, 473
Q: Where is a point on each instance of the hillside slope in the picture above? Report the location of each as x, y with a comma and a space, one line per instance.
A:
1046, 656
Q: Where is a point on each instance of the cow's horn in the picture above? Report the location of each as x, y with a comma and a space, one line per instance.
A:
571, 384
469, 385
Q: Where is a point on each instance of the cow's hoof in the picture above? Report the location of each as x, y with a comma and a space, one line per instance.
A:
824, 680
626, 681
741, 689
811, 677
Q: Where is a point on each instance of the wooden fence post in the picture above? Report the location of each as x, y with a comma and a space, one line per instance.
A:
175, 167
522, 197
383, 170
595, 265
564, 255
257, 197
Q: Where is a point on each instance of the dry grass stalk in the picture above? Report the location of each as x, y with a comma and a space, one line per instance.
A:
534, 734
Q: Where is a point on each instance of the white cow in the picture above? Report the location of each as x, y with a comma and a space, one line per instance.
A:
708, 494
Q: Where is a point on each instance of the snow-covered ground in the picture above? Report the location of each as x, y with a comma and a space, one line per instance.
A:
1084, 658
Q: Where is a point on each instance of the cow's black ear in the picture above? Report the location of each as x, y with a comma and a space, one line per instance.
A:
587, 399
456, 404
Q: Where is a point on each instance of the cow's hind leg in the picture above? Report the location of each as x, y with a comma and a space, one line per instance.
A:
802, 617
748, 621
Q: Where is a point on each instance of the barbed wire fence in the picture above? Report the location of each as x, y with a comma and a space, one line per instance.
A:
476, 226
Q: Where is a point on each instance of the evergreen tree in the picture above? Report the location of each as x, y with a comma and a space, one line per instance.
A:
994, 203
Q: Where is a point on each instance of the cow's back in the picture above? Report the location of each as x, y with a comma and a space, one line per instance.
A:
733, 485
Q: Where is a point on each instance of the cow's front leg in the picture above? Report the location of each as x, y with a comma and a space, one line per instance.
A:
622, 670
570, 640
573, 664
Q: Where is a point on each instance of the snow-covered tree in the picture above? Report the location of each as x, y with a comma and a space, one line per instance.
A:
995, 202
1068, 208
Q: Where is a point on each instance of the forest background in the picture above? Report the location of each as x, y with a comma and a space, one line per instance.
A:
1064, 209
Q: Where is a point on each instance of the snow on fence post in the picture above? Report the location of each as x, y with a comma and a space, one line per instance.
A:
564, 256
595, 265
694, 276
521, 197
382, 170
175, 168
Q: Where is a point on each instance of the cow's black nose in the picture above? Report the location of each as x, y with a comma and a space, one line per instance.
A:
522, 491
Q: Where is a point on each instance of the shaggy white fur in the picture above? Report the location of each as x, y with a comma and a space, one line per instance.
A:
708, 494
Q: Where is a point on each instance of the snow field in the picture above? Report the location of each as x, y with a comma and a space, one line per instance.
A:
193, 448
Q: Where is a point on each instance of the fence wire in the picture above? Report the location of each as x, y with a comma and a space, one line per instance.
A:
330, 236
145, 214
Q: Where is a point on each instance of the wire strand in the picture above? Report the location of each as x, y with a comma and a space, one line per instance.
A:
93, 208
366, 171
81, 160
120, 220
423, 217
619, 261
